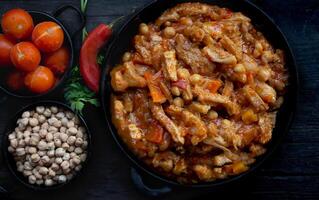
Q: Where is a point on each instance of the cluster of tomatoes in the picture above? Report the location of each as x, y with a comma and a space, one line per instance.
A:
35, 55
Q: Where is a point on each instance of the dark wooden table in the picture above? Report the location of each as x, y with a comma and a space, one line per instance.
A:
292, 173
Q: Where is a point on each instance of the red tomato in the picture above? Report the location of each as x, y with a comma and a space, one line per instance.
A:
57, 61
25, 56
39, 81
15, 80
17, 23
48, 36
5, 48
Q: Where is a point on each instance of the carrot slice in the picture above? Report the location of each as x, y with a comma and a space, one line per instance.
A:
214, 85
155, 133
155, 91
250, 78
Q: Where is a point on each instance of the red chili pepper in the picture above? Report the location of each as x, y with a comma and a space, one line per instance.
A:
89, 67
181, 83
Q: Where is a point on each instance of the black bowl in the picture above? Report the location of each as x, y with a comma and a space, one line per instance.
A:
261, 21
38, 17
11, 163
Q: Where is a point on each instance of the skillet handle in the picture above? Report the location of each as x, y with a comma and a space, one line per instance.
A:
145, 189
62, 9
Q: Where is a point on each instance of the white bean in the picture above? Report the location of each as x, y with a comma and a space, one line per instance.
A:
43, 171
40, 109
20, 151
60, 115
70, 124
64, 121
58, 160
41, 118
64, 137
32, 150
71, 140
59, 152
54, 109
69, 115
51, 153
32, 179
27, 172
33, 122
47, 112
62, 179
42, 153
65, 165
26, 114
65, 146
39, 182
14, 143
55, 167
78, 150
42, 145
24, 121
49, 137
35, 158
48, 182
57, 142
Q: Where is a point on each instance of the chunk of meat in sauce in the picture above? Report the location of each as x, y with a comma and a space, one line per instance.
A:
165, 160
266, 123
219, 55
196, 127
209, 98
118, 110
123, 77
192, 56
171, 127
231, 47
169, 64
254, 98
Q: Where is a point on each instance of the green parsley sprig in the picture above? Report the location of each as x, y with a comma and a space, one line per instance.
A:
76, 93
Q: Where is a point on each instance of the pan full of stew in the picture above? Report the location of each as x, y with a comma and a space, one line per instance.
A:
199, 93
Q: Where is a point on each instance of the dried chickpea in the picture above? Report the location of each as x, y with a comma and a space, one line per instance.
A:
195, 79
169, 32
239, 68
42, 153
186, 21
183, 73
263, 74
144, 30
212, 114
178, 102
175, 91
126, 57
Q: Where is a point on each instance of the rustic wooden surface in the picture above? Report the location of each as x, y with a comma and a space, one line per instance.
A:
292, 173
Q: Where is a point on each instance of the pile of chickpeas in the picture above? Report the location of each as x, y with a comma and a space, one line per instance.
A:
49, 145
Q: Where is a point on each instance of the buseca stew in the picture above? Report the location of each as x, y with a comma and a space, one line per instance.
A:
196, 97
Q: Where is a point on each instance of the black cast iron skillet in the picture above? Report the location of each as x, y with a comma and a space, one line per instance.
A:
10, 162
121, 42
38, 17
